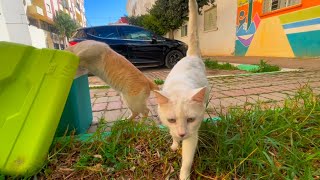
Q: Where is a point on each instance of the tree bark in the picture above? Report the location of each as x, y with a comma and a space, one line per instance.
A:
171, 34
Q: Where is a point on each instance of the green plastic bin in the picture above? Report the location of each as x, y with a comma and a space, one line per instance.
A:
34, 86
77, 113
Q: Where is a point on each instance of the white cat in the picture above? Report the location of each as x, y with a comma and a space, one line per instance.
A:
181, 103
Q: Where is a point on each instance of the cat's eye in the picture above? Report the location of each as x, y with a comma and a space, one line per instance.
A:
190, 120
171, 120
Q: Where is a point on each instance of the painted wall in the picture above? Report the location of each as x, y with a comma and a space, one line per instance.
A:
222, 40
290, 32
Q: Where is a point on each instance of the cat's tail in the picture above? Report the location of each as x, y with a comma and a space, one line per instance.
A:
153, 85
193, 49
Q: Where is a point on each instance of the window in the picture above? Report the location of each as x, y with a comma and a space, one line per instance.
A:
48, 8
210, 19
33, 22
78, 6
80, 34
184, 30
64, 4
273, 5
104, 32
135, 33
44, 25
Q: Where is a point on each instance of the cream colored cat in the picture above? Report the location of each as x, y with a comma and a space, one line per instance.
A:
116, 71
181, 103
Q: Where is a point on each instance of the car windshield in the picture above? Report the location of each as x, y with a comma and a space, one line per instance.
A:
108, 32
135, 33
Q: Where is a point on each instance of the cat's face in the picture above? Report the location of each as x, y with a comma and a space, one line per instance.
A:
183, 114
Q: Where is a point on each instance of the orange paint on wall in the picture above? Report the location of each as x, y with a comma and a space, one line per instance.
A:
304, 4
257, 8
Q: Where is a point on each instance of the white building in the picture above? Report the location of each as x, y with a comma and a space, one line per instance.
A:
139, 7
217, 25
31, 21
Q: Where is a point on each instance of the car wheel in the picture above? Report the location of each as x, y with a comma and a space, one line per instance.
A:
172, 58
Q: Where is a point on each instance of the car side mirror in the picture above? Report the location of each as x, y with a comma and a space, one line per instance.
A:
154, 40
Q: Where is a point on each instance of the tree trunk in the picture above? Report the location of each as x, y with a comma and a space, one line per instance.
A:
60, 42
171, 34
64, 43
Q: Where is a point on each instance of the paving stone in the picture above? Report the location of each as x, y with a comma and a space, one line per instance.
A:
97, 116
114, 105
112, 93
114, 98
114, 115
99, 107
101, 100
92, 128
225, 92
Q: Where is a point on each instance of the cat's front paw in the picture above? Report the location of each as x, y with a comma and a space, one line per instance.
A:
174, 146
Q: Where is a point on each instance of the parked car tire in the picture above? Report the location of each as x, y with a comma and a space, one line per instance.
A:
172, 58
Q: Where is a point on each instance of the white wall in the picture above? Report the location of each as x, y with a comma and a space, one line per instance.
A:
4, 35
16, 21
38, 37
139, 7
222, 40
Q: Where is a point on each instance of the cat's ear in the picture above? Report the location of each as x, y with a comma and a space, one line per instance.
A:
199, 95
161, 99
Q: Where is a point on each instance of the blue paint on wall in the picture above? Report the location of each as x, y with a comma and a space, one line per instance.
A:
302, 23
241, 50
305, 44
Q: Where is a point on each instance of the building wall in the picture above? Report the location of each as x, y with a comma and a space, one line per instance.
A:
15, 16
14, 21
220, 41
290, 32
139, 7
4, 34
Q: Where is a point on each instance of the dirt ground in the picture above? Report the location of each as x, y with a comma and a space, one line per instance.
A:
294, 63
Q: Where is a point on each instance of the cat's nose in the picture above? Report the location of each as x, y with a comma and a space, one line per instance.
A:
182, 134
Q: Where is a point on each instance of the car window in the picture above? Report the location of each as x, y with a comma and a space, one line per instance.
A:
110, 32
160, 38
135, 33
79, 34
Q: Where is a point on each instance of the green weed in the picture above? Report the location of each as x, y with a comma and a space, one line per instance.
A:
264, 67
100, 87
159, 81
210, 64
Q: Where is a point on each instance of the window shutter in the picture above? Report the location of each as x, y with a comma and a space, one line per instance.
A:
266, 6
210, 19
283, 4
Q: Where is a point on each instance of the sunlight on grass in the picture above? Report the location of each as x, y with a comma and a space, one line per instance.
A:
259, 142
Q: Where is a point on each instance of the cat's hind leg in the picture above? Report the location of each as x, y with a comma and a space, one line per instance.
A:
136, 104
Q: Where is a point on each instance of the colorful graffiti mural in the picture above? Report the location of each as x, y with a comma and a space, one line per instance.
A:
278, 28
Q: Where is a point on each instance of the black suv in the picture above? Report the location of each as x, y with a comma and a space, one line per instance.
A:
141, 47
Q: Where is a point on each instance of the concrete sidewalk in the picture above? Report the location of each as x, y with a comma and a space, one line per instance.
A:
227, 91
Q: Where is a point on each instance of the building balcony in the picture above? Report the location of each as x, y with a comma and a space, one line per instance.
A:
37, 12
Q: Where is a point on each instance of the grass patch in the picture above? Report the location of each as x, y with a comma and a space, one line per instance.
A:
159, 81
252, 143
100, 87
210, 64
265, 67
